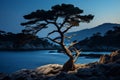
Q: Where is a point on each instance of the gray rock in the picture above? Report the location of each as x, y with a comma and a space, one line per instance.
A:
4, 77
41, 73
23, 74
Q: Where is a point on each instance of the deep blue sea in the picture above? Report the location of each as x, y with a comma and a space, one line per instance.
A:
11, 61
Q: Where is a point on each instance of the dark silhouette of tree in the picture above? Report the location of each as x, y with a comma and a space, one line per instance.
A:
62, 17
12, 41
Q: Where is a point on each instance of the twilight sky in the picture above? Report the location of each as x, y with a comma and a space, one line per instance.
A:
12, 11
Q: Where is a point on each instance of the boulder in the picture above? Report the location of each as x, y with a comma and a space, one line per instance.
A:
42, 73
104, 59
113, 57
49, 70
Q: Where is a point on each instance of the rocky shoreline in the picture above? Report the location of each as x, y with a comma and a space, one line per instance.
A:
108, 68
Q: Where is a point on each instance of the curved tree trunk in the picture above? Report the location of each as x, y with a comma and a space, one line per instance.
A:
69, 65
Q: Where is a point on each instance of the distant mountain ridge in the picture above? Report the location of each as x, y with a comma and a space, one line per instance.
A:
110, 41
82, 34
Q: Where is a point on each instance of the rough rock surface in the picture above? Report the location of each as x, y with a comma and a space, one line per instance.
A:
4, 77
49, 70
108, 68
113, 57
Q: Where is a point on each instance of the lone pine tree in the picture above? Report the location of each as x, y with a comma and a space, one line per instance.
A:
62, 17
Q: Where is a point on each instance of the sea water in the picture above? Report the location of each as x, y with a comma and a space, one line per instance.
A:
11, 61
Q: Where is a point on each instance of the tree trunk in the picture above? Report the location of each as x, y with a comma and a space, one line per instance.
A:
69, 65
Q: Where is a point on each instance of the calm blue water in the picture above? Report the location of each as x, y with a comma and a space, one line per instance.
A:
13, 61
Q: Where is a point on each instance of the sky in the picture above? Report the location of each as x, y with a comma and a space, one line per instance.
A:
12, 11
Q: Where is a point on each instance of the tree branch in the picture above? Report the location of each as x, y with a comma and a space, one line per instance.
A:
57, 38
52, 32
58, 30
72, 44
38, 28
67, 29
62, 24
67, 51
54, 40
77, 54
48, 22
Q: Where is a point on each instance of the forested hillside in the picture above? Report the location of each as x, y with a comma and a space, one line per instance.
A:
97, 42
21, 41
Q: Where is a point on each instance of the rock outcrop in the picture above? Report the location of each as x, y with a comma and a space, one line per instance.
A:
113, 57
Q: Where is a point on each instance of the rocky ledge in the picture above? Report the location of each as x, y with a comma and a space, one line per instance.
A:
108, 68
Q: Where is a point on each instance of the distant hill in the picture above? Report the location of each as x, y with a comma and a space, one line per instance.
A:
109, 42
20, 41
82, 34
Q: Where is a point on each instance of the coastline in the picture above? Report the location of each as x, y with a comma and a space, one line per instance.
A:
107, 68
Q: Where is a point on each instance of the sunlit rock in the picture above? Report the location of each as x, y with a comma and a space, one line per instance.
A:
50, 69
113, 57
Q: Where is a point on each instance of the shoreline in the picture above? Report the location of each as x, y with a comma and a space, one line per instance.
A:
58, 50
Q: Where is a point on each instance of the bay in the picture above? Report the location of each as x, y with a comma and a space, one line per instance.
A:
11, 61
